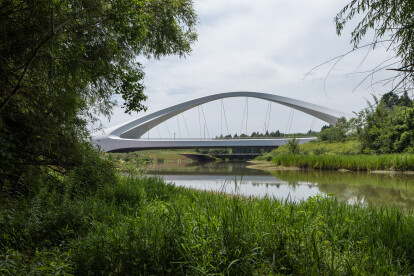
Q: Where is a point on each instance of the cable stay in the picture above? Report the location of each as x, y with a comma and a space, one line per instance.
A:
179, 129
185, 123
205, 123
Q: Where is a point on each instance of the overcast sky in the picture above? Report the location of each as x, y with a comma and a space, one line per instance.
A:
263, 46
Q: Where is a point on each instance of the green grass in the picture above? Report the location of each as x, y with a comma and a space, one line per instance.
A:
348, 147
146, 226
393, 162
338, 155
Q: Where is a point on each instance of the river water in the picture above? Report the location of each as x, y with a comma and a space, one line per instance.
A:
231, 177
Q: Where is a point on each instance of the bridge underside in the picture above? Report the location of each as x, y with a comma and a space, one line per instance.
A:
157, 148
128, 145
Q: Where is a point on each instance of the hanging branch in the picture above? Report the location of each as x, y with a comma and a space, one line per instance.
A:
53, 32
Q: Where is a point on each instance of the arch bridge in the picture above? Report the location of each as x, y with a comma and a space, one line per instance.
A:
127, 136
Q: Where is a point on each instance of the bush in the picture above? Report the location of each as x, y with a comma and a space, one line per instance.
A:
94, 172
347, 147
293, 146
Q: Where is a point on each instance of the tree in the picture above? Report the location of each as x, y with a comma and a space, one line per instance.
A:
293, 146
387, 126
335, 133
62, 61
393, 23
88, 45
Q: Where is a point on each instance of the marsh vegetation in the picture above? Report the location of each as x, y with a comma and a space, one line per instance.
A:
144, 225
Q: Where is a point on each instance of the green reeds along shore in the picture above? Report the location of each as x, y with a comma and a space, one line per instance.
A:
362, 162
146, 226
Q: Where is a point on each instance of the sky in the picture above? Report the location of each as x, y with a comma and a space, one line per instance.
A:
268, 46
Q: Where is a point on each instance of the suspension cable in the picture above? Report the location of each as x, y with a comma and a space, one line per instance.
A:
268, 120
205, 122
179, 130
199, 121
221, 117
244, 111
185, 123
169, 133
287, 125
225, 117
265, 120
247, 112
291, 120
313, 124
158, 130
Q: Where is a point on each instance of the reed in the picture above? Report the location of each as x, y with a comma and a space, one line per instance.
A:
361, 162
146, 226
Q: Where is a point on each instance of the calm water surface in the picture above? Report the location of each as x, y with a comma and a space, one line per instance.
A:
351, 187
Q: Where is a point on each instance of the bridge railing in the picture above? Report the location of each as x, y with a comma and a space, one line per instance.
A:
222, 138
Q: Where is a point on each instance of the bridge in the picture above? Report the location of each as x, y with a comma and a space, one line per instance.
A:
128, 136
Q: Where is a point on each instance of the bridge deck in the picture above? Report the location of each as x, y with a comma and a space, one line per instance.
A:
116, 144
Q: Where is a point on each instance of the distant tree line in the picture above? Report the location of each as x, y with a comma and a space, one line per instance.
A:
267, 134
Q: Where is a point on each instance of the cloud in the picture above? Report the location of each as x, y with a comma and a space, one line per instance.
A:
264, 46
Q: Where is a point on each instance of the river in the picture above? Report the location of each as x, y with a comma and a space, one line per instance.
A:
231, 177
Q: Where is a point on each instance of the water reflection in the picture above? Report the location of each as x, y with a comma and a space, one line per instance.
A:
209, 168
352, 187
361, 187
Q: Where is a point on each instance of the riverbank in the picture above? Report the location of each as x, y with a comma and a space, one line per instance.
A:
156, 156
385, 163
146, 226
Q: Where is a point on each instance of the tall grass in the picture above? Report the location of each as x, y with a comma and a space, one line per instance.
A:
146, 226
394, 162
347, 147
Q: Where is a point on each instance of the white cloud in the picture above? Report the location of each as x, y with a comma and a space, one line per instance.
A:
264, 46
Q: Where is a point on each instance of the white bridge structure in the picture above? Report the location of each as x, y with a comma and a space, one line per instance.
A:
127, 136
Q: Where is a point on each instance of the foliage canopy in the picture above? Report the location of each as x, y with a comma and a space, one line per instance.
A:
62, 61
388, 125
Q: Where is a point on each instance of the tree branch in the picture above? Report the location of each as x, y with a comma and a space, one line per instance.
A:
33, 57
402, 70
23, 75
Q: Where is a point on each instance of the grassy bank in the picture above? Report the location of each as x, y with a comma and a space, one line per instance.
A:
337, 155
349, 147
392, 162
146, 226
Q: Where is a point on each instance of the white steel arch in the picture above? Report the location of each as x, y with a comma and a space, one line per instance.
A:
127, 134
